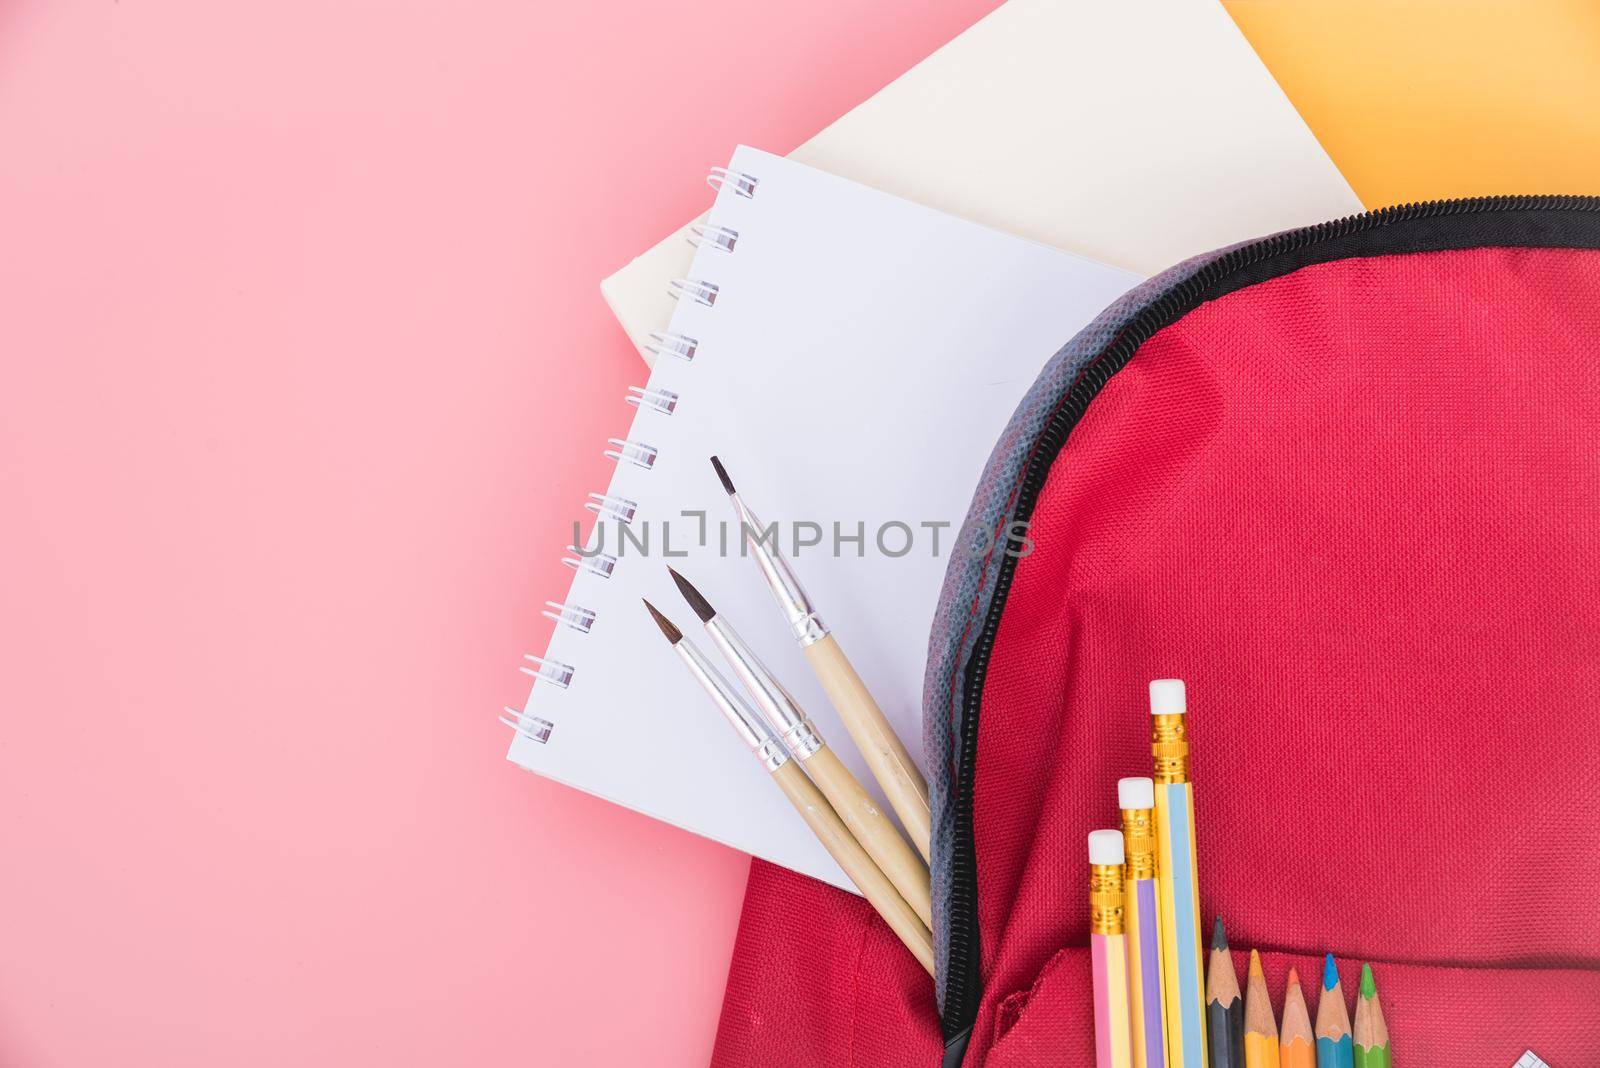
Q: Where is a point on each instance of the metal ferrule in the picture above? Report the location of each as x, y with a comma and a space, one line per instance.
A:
1169, 746
803, 620
1106, 899
767, 748
1139, 836
783, 713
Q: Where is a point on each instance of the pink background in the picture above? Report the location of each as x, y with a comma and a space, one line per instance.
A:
305, 375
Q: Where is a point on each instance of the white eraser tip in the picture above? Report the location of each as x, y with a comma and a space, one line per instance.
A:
1105, 847
1136, 793
1167, 698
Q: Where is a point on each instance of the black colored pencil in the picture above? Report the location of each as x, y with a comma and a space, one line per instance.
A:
1224, 1005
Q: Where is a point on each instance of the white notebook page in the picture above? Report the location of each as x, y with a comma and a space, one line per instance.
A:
861, 358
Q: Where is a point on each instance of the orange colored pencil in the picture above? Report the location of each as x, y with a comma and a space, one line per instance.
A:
1297, 1045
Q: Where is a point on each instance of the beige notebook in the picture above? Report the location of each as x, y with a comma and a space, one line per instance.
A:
1137, 134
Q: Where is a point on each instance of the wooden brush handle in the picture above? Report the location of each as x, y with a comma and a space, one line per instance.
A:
886, 757
873, 830
847, 852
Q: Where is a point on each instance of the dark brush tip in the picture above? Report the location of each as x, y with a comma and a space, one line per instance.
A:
722, 473
701, 606
1219, 937
674, 635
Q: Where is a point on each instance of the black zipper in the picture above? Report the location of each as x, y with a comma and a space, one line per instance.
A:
1509, 221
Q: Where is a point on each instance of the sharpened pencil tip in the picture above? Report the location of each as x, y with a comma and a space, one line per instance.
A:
1330, 973
722, 473
674, 635
1255, 963
701, 606
1294, 977
1219, 937
1369, 987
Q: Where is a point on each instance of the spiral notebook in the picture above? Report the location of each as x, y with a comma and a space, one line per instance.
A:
852, 358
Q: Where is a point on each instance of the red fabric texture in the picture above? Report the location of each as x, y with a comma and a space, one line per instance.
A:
1357, 509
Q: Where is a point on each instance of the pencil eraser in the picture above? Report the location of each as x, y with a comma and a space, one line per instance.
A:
1136, 793
1167, 698
1105, 847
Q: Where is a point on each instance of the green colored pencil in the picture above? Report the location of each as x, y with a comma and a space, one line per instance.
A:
1371, 1033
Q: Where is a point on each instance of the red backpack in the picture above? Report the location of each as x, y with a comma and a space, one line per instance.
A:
1344, 481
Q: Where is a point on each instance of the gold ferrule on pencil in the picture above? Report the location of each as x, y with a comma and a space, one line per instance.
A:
1169, 746
1107, 901
1139, 834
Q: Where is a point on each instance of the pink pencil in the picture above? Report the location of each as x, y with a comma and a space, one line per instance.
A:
1108, 951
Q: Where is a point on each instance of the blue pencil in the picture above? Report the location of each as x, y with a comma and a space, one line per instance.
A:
1335, 1047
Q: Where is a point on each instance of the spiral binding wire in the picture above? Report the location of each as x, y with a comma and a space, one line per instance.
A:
602, 564
528, 726
619, 508
701, 292
680, 345
575, 616
552, 671
635, 452
703, 234
610, 506
655, 398
743, 184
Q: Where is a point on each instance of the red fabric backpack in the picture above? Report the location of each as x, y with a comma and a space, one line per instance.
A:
1344, 481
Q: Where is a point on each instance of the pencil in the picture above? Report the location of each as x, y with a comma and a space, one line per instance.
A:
1224, 1006
871, 826
1137, 799
880, 747
1177, 877
1108, 951
1297, 1046
807, 801
1260, 1029
1371, 1033
1334, 1047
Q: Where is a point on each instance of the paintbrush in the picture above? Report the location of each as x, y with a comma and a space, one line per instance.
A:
812, 806
885, 754
855, 806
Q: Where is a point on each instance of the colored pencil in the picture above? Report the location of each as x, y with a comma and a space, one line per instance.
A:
1334, 1045
1177, 878
1137, 800
1371, 1033
1108, 951
1224, 1005
1260, 1029
1297, 1045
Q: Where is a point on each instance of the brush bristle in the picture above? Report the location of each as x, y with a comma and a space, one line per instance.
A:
674, 635
722, 473
701, 606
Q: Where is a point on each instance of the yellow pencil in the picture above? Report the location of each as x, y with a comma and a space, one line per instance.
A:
1137, 800
1177, 877
1260, 1029
1108, 951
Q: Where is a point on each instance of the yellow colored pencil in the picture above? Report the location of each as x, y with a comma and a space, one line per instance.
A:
1108, 951
1137, 800
1260, 1029
1177, 878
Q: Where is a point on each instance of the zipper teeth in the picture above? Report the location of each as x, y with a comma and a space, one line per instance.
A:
961, 972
